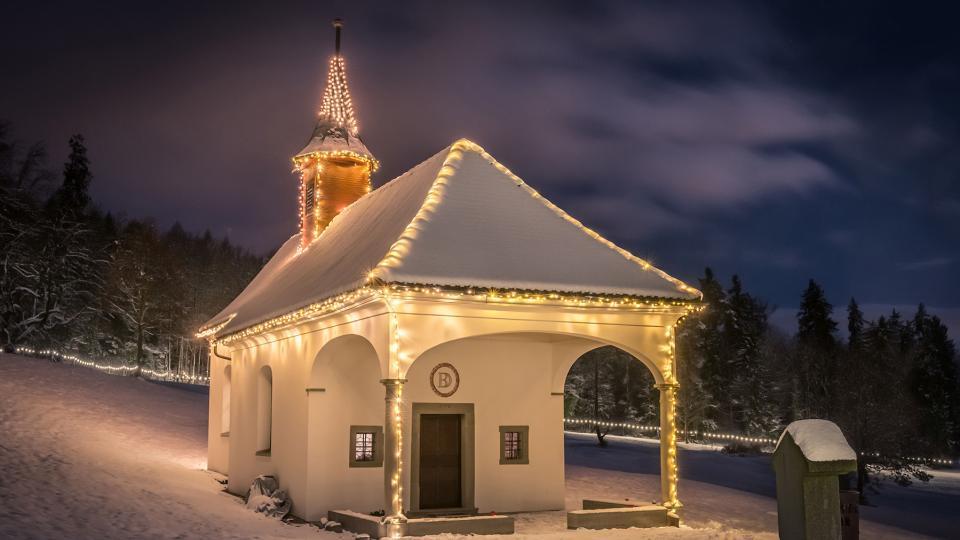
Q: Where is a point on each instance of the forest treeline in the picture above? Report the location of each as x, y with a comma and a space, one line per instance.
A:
891, 384
75, 278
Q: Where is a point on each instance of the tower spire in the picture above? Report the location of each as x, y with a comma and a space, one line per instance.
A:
337, 24
337, 128
337, 107
335, 166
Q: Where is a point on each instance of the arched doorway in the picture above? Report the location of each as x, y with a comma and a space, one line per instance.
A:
344, 400
610, 385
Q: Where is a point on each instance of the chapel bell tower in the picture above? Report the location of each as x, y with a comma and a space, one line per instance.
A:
335, 165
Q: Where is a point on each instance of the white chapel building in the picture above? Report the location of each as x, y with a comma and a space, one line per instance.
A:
406, 350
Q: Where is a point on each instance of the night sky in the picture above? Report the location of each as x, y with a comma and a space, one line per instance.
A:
781, 142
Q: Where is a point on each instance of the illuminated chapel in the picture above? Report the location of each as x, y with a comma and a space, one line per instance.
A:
406, 350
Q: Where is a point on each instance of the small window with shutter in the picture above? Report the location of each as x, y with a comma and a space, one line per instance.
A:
309, 196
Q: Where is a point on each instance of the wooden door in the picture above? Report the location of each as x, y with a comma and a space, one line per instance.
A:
440, 461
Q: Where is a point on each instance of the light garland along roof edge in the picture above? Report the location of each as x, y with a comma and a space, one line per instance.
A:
455, 221
484, 295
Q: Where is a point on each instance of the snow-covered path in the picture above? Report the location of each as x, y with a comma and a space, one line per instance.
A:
726, 491
88, 455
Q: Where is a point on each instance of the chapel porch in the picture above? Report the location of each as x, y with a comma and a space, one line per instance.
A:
632, 480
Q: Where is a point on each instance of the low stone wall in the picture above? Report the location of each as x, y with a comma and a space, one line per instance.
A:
618, 517
597, 504
361, 523
460, 525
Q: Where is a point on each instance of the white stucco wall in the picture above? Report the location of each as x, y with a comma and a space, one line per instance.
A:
218, 445
291, 355
508, 381
287, 446
513, 358
348, 371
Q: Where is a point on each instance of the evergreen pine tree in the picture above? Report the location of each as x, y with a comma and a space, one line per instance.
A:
744, 328
856, 390
886, 429
708, 345
815, 357
933, 381
73, 196
814, 323
855, 324
693, 401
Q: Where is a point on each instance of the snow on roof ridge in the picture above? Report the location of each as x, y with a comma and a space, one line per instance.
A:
819, 440
434, 197
402, 245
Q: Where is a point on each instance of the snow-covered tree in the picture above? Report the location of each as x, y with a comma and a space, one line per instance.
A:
48, 276
744, 328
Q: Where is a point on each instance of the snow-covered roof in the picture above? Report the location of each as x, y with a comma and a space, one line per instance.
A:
336, 131
328, 138
458, 219
819, 440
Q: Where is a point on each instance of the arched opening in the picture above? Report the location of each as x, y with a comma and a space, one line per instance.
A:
345, 428
264, 411
610, 384
608, 391
225, 403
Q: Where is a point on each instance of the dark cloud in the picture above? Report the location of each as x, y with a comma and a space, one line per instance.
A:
778, 141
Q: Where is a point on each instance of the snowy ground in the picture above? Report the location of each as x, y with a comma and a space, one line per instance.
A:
88, 455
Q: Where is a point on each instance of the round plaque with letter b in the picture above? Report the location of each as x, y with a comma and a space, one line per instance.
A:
444, 379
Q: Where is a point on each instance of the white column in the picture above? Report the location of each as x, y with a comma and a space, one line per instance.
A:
392, 452
668, 445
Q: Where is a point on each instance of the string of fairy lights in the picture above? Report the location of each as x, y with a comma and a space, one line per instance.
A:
668, 410
337, 106
474, 294
336, 111
730, 437
157, 375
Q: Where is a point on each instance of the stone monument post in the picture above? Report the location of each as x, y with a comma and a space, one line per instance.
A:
809, 458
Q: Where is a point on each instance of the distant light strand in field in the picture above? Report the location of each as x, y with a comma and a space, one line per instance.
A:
724, 436
166, 376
